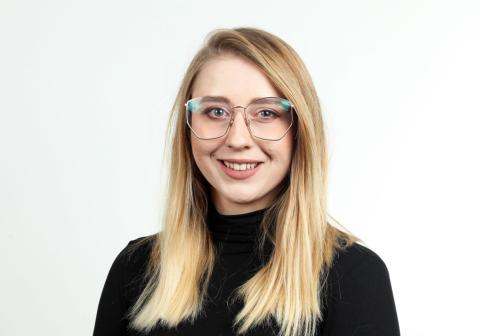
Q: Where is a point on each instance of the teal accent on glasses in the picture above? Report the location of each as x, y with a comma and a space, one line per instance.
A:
285, 104
193, 105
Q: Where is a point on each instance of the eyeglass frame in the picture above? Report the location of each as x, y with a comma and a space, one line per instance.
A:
245, 119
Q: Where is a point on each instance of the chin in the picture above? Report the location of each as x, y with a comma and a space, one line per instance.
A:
241, 198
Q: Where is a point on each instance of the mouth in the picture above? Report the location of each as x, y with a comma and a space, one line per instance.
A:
239, 169
240, 166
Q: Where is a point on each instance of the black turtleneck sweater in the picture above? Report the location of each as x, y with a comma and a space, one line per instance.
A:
359, 299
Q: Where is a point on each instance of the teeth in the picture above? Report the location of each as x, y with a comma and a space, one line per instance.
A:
240, 166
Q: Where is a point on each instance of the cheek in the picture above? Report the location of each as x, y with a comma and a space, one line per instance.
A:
198, 154
201, 150
195, 151
288, 148
199, 147
280, 153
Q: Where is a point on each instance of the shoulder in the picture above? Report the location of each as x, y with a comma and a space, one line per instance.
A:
359, 294
358, 272
138, 250
124, 283
130, 267
135, 252
357, 258
134, 257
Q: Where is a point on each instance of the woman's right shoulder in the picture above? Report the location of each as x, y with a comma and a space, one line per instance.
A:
132, 260
136, 253
130, 267
125, 281
140, 244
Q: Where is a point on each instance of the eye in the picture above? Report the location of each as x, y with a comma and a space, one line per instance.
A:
216, 112
267, 114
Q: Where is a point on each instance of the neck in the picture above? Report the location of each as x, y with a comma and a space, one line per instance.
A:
236, 233
226, 206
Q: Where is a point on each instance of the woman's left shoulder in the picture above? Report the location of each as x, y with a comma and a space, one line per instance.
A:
360, 297
358, 258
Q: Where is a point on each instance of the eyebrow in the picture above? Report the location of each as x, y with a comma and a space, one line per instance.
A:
226, 100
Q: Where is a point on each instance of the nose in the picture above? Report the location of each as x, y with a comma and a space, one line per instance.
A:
238, 135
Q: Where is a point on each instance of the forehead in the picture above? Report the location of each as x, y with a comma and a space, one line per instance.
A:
233, 77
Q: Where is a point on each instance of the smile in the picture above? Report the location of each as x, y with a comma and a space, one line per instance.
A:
239, 170
240, 166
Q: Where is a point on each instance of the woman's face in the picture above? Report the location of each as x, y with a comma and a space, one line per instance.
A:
240, 81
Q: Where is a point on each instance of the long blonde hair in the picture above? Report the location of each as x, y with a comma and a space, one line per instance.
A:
289, 288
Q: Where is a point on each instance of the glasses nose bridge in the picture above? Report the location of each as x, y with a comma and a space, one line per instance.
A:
233, 114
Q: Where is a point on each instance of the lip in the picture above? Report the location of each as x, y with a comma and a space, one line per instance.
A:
239, 175
241, 160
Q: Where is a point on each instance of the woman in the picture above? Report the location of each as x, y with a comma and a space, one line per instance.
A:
247, 246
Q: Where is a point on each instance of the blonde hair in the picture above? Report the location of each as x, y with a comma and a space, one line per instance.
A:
289, 288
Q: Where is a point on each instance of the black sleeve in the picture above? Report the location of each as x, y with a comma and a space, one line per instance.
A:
362, 302
110, 318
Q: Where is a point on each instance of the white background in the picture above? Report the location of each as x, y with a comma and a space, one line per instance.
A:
85, 88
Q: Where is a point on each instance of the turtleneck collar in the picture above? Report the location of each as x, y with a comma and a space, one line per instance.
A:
234, 234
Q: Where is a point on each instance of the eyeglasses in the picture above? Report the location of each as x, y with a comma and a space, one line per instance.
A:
267, 118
